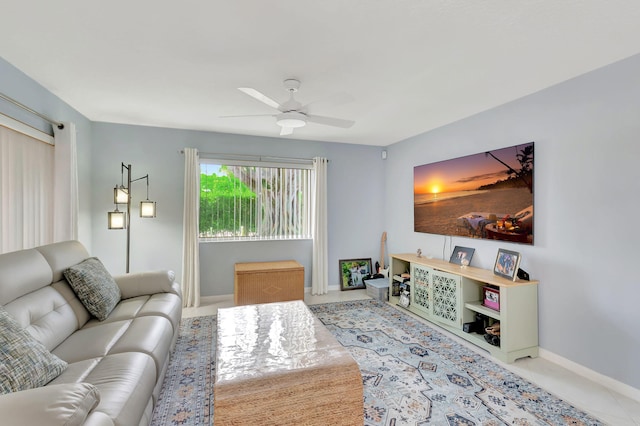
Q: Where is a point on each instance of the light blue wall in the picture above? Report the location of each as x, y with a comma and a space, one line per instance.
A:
587, 199
355, 191
587, 136
25, 90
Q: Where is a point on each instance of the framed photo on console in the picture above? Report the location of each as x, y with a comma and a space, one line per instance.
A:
507, 264
462, 255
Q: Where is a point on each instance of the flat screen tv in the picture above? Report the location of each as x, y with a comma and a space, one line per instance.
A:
487, 195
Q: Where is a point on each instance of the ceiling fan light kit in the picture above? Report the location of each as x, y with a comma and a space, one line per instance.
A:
291, 119
292, 114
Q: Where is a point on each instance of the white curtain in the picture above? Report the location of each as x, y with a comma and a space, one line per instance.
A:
26, 190
65, 200
190, 247
320, 270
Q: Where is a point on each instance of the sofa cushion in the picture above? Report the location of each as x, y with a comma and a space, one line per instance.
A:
168, 305
125, 382
22, 272
26, 363
63, 405
95, 287
62, 255
46, 315
148, 335
93, 342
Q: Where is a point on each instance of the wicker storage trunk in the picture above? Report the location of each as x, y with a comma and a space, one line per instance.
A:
266, 282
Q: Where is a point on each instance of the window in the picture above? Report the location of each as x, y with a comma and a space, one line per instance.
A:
254, 201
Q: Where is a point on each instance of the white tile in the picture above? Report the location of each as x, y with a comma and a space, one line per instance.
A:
208, 306
336, 296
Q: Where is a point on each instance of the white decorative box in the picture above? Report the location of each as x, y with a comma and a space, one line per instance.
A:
378, 288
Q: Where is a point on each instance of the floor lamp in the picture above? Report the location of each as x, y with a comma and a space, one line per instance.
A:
122, 195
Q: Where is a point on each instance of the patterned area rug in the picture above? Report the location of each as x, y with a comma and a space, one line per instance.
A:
416, 375
412, 374
186, 397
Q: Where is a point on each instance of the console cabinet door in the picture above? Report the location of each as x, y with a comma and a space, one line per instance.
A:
421, 288
445, 293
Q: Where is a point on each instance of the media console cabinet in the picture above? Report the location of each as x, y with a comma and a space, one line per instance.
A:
450, 295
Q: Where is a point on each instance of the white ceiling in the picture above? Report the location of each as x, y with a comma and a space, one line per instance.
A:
409, 65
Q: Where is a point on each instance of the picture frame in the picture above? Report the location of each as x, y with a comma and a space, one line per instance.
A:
507, 264
462, 255
353, 272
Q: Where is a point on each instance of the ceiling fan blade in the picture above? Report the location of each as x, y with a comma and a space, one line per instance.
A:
286, 131
330, 121
260, 97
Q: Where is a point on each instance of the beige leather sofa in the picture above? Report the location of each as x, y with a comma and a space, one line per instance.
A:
115, 367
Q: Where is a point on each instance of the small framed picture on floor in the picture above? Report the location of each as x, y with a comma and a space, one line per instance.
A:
352, 272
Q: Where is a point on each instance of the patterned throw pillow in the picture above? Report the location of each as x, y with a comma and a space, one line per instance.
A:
24, 362
94, 286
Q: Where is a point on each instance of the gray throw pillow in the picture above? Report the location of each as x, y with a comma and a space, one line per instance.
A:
94, 286
24, 362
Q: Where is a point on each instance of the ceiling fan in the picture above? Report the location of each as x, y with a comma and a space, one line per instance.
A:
292, 114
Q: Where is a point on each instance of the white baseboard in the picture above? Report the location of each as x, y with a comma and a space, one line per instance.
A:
307, 290
608, 382
215, 299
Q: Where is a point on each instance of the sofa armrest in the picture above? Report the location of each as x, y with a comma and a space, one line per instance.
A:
65, 404
145, 283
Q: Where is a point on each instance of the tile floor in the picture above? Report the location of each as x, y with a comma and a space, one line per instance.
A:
610, 407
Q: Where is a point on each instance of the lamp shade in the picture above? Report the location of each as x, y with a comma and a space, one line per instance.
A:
147, 208
117, 220
120, 195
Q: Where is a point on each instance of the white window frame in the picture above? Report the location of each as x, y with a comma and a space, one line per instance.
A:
259, 162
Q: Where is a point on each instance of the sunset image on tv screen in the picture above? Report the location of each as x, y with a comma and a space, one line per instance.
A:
486, 195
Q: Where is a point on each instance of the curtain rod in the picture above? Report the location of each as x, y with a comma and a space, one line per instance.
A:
220, 156
51, 121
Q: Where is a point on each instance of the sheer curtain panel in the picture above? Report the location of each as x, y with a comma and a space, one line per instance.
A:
190, 247
26, 191
65, 202
320, 270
